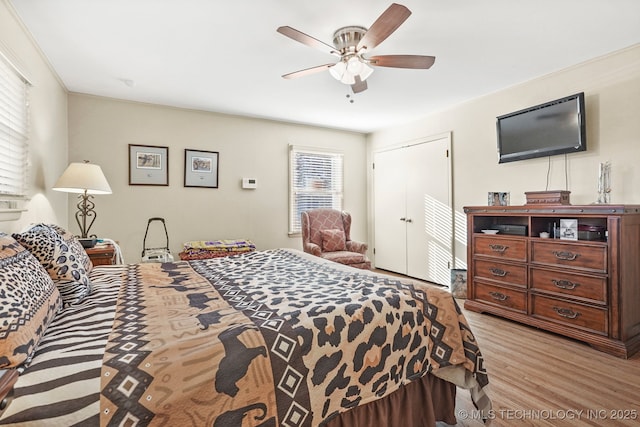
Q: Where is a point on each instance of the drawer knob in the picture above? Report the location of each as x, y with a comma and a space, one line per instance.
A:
498, 272
499, 296
566, 312
565, 255
565, 284
498, 248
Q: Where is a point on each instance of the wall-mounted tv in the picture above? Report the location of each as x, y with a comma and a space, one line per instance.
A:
555, 127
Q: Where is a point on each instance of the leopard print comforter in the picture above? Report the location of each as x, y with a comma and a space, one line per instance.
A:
274, 338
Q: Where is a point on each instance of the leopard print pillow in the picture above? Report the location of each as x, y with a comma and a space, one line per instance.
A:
64, 258
29, 301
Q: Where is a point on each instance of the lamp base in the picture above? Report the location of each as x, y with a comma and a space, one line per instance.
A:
88, 243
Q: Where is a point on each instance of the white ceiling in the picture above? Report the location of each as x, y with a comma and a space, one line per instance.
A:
226, 56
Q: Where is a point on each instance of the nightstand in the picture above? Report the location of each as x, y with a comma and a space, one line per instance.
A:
102, 254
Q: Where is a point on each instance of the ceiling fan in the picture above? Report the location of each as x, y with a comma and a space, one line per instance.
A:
352, 42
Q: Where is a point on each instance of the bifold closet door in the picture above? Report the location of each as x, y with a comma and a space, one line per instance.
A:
429, 219
412, 211
390, 211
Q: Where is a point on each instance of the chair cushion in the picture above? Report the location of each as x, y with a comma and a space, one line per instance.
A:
333, 240
344, 257
29, 301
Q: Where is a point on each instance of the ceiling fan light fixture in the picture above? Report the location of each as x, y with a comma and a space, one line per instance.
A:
346, 70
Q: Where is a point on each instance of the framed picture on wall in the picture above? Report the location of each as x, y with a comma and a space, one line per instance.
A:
148, 165
200, 168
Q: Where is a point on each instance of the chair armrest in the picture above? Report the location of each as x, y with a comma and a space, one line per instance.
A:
358, 247
312, 248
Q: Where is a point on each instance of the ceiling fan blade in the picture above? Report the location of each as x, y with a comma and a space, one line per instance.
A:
306, 39
359, 85
308, 71
386, 24
402, 61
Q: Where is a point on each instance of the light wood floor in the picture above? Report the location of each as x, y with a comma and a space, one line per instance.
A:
537, 378
541, 379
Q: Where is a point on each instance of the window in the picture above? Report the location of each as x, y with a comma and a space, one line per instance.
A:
315, 181
13, 134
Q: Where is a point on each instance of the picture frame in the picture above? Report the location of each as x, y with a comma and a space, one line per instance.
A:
201, 168
148, 165
458, 285
569, 229
498, 198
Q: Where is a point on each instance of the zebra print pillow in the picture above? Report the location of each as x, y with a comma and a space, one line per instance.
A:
62, 256
28, 302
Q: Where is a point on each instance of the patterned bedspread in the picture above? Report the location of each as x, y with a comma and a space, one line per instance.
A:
274, 338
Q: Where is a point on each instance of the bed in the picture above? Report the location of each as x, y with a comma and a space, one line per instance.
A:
265, 338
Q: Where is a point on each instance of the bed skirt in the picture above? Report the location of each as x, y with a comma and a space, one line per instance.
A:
417, 404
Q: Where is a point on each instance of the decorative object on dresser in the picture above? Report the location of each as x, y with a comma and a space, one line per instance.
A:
552, 197
604, 183
86, 179
585, 289
498, 198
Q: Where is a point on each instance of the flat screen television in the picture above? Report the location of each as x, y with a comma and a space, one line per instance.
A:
555, 127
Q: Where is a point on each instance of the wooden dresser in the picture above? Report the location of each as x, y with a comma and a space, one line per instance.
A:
587, 289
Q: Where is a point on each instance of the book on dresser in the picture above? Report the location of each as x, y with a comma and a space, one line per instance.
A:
586, 288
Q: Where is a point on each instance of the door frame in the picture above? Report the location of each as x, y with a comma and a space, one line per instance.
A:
417, 141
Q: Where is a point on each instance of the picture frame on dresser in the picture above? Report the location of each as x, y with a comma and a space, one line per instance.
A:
201, 168
148, 165
569, 229
498, 198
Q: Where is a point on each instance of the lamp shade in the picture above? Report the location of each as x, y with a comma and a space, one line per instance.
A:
81, 177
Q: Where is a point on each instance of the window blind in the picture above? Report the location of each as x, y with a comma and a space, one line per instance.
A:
14, 129
315, 181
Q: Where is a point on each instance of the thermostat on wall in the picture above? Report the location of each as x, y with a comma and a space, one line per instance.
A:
250, 183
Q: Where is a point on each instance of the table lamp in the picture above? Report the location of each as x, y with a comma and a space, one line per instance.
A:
87, 179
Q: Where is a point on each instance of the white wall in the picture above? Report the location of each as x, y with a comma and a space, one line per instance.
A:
612, 88
48, 125
100, 130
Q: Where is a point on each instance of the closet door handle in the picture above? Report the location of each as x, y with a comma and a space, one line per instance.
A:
409, 220
403, 219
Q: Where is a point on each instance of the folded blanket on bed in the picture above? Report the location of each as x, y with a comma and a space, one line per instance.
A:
205, 249
220, 245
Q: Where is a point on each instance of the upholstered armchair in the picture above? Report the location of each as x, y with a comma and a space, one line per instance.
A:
326, 233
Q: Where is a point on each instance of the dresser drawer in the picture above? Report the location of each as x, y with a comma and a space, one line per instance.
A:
504, 297
514, 249
592, 319
501, 272
589, 257
592, 288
